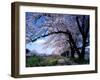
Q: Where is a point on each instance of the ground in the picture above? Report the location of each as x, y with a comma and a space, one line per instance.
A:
35, 60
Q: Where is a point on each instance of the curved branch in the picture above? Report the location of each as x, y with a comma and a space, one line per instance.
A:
59, 32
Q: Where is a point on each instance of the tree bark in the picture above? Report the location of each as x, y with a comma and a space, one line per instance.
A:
83, 48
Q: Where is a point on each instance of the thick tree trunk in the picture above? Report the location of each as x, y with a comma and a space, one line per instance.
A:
83, 52
72, 53
83, 49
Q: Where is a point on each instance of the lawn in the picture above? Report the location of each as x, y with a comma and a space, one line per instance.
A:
36, 61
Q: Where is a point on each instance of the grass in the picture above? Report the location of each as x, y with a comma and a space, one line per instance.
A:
40, 61
36, 61
33, 61
76, 60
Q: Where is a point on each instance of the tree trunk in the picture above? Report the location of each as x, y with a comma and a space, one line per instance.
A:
83, 49
72, 53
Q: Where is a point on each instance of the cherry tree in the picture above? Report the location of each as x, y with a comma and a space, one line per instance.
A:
65, 32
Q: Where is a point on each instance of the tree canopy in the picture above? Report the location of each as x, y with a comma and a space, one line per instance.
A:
64, 31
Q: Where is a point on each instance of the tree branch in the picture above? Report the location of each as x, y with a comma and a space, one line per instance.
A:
59, 32
79, 26
88, 27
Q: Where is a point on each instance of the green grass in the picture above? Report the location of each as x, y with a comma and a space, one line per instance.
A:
36, 61
33, 61
40, 61
76, 60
